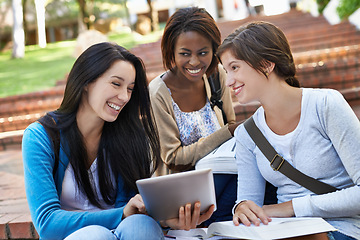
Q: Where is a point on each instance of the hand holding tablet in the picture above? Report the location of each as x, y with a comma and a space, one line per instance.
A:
164, 195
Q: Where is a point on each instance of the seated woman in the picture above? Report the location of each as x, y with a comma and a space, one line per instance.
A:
190, 127
315, 130
81, 161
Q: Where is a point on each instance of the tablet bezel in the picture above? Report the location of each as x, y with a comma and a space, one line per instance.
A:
164, 195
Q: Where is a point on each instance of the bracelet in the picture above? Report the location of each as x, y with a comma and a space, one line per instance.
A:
164, 228
243, 201
234, 208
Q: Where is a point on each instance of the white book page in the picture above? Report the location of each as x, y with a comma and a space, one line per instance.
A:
193, 234
278, 228
225, 150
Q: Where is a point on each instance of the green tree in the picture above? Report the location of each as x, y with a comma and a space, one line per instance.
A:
347, 7
322, 4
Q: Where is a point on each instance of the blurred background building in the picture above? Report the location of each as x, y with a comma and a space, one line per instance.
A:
66, 19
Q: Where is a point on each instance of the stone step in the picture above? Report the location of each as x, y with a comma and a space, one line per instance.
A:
337, 73
10, 139
314, 56
292, 21
15, 220
24, 104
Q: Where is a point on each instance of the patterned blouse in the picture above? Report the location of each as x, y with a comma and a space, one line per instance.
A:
197, 124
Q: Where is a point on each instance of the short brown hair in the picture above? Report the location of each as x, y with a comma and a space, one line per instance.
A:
258, 43
185, 20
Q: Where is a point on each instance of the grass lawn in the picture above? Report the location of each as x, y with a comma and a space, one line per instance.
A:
41, 68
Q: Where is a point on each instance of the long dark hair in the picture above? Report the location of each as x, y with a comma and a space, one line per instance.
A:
129, 146
186, 20
259, 42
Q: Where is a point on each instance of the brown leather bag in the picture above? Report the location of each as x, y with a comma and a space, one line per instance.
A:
278, 163
285, 168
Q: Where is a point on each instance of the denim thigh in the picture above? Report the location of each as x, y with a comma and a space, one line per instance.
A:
139, 227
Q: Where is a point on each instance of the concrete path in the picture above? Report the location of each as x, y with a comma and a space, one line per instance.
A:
15, 221
12, 191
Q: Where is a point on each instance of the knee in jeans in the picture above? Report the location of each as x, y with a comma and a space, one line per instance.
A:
139, 226
91, 232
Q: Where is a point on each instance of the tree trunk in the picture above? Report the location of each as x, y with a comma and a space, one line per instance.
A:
18, 36
127, 14
154, 18
84, 13
25, 24
40, 17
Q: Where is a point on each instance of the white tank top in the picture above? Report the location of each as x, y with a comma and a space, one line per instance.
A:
72, 199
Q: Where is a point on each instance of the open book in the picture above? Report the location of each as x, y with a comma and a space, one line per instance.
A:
221, 159
278, 228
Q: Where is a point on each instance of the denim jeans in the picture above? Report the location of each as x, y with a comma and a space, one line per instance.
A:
339, 236
225, 191
137, 227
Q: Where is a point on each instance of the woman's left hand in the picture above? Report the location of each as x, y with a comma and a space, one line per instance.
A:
134, 206
284, 209
188, 220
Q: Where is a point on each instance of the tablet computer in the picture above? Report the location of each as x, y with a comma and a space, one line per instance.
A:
164, 195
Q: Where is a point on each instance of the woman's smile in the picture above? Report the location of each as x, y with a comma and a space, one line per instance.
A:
114, 106
193, 55
237, 90
194, 71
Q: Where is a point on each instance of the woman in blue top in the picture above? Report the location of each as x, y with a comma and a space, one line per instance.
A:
315, 130
108, 140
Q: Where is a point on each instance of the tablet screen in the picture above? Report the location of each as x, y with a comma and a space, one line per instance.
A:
164, 195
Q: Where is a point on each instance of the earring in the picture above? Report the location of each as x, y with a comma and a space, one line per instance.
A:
267, 74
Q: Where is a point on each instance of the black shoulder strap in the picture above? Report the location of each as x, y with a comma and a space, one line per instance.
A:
55, 137
215, 100
278, 163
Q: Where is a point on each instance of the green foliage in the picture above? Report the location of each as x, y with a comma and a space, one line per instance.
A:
41, 68
59, 10
347, 7
102, 11
130, 40
322, 4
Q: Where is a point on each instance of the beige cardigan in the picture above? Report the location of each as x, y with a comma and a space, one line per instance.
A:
175, 156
